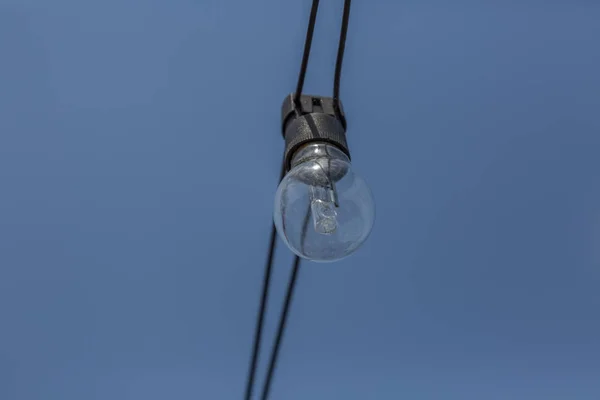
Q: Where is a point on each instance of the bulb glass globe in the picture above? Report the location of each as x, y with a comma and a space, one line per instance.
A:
323, 210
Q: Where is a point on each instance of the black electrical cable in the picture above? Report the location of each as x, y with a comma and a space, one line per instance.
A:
268, 267
307, 44
263, 305
272, 242
340, 55
281, 328
284, 313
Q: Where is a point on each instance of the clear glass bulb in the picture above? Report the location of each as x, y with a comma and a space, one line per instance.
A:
323, 211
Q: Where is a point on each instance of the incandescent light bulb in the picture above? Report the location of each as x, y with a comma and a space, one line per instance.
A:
323, 210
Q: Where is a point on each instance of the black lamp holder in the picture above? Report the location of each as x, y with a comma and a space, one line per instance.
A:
312, 119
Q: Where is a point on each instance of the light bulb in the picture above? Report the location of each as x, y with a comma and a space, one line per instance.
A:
323, 211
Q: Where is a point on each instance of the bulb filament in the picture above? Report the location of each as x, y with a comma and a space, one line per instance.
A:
323, 206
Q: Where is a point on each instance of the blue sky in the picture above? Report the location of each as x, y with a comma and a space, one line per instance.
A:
139, 152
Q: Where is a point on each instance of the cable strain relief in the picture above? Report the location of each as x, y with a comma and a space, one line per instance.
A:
308, 104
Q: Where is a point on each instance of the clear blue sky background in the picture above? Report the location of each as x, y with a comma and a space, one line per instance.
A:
139, 151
